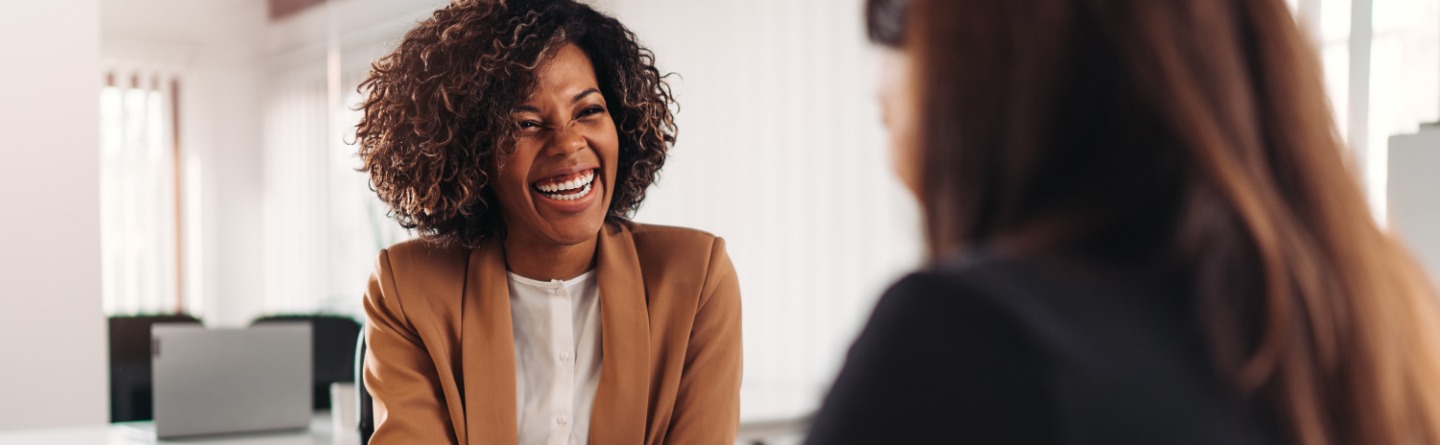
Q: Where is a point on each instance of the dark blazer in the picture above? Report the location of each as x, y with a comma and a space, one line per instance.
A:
989, 350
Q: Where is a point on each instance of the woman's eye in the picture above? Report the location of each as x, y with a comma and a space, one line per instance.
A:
528, 125
592, 111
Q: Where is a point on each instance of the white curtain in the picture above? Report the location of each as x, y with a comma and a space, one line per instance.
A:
295, 129
138, 192
323, 226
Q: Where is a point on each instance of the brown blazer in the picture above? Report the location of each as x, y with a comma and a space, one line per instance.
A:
441, 364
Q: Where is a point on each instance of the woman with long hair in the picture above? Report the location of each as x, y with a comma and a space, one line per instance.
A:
517, 137
1141, 231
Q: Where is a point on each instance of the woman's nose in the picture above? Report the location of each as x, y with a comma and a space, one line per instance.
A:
568, 140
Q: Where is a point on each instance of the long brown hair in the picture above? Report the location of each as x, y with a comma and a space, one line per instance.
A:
1192, 134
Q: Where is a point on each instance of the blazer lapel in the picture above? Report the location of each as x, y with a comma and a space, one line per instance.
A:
488, 345
621, 401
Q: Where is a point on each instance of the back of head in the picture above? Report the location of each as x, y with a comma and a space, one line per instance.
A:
1193, 134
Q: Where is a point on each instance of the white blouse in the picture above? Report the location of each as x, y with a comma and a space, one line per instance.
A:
557, 357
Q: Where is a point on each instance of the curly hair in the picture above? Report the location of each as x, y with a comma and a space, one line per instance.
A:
436, 121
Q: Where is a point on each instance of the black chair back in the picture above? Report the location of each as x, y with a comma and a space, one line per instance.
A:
366, 410
333, 338
131, 390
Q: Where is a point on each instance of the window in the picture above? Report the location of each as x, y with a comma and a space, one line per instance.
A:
141, 207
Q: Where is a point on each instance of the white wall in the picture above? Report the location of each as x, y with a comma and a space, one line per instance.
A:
52, 331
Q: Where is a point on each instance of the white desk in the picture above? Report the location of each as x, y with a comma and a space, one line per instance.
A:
774, 412
765, 413
321, 432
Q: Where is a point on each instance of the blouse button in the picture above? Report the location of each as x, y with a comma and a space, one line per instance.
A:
562, 420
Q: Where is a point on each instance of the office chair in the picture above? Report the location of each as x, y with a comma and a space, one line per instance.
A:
331, 340
131, 392
365, 412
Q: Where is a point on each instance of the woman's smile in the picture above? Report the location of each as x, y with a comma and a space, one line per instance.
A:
568, 192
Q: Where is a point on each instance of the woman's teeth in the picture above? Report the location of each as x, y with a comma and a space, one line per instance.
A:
569, 190
571, 197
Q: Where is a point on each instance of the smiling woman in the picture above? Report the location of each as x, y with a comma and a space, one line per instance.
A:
548, 186
517, 137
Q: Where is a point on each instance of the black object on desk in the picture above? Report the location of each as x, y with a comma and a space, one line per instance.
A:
131, 396
333, 338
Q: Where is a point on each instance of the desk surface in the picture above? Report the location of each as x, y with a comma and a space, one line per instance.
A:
320, 433
769, 412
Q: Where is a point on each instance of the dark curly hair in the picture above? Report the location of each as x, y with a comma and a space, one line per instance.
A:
436, 119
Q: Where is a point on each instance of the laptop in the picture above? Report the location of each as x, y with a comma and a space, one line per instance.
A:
221, 381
